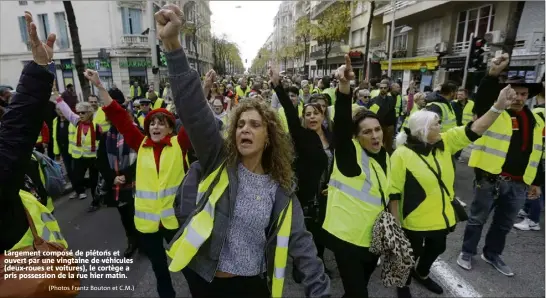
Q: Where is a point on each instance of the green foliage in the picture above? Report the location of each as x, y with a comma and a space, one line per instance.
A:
226, 55
333, 24
260, 63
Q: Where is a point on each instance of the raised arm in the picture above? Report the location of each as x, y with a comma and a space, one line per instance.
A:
291, 113
345, 152
117, 115
67, 112
189, 99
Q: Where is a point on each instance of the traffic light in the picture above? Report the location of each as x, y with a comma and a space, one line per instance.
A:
477, 57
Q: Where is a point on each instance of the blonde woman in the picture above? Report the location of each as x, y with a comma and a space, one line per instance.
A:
247, 219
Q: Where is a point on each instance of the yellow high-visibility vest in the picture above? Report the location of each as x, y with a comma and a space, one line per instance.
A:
242, 93
155, 192
46, 225
282, 116
449, 120
100, 119
489, 151
200, 227
540, 113
355, 108
374, 93
56, 149
432, 207
132, 91
157, 104
85, 149
468, 116
332, 92
355, 202
398, 106
414, 109
50, 205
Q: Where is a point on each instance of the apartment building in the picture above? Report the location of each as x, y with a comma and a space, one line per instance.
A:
431, 38
317, 67
118, 27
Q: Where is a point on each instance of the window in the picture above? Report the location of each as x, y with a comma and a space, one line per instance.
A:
43, 26
131, 18
478, 21
358, 37
430, 33
23, 29
62, 32
39, 2
22, 3
400, 42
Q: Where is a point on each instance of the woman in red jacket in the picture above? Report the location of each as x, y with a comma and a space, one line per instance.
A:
154, 199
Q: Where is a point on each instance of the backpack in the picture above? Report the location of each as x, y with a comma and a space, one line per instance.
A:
53, 175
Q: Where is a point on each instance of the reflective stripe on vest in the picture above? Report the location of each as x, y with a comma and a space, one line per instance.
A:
85, 149
201, 224
489, 152
355, 202
155, 192
45, 223
448, 118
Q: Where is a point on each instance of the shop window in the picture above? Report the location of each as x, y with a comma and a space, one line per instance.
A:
478, 21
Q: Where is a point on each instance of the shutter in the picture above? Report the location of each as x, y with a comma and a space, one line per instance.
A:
136, 17
125, 20
23, 29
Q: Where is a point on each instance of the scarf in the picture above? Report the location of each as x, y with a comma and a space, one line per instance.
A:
91, 130
120, 156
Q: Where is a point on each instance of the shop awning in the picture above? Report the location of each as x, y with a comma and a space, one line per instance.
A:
414, 63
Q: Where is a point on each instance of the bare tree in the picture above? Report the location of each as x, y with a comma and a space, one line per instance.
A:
77, 48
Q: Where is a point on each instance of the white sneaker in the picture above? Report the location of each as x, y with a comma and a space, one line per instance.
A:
82, 196
461, 202
522, 214
527, 225
378, 262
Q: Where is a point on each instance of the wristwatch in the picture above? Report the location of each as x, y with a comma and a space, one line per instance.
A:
495, 110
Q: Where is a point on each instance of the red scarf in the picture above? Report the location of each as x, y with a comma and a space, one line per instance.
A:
91, 130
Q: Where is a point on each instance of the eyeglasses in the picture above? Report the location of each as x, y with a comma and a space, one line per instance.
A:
81, 113
144, 104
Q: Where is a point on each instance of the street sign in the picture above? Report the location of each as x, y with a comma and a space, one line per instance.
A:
97, 64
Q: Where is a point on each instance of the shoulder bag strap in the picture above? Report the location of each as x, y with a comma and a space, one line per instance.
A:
383, 201
440, 181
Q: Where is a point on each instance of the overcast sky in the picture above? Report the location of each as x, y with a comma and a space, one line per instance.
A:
247, 23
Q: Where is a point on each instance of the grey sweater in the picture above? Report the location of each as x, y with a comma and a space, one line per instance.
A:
243, 252
208, 144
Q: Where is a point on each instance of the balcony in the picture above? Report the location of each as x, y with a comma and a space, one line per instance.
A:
426, 51
135, 40
386, 8
320, 8
334, 51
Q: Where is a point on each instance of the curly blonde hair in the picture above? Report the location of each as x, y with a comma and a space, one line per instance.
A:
278, 156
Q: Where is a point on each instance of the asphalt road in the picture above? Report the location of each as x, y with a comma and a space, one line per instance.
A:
102, 230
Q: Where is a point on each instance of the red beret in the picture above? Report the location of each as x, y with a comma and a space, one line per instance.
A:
157, 111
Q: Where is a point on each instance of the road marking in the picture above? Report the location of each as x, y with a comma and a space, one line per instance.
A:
452, 280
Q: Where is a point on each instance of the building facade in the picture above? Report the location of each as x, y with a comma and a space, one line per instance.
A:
119, 27
432, 38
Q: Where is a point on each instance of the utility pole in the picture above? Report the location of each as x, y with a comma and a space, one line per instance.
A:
391, 37
514, 17
465, 75
152, 41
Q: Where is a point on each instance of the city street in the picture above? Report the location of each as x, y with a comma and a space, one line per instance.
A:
524, 252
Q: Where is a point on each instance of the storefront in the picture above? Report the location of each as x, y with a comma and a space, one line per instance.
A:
454, 67
138, 69
67, 72
357, 62
421, 69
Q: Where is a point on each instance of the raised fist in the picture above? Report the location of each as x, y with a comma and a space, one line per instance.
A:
169, 22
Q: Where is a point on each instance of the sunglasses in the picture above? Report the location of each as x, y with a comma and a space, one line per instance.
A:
81, 113
144, 104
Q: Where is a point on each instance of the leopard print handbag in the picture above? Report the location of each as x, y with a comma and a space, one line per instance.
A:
390, 242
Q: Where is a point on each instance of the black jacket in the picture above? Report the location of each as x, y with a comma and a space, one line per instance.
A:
311, 161
387, 109
18, 133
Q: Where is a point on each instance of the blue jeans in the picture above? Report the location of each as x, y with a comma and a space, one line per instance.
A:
534, 207
507, 198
